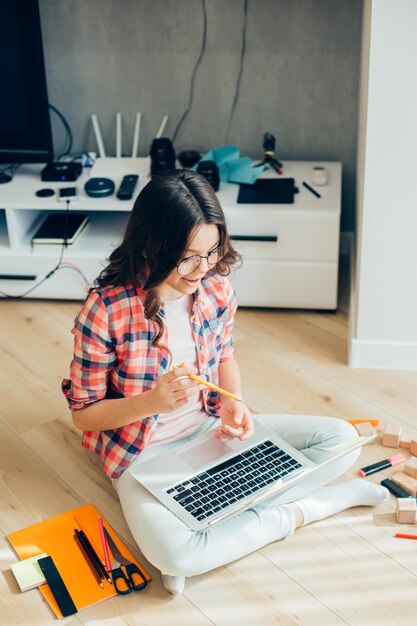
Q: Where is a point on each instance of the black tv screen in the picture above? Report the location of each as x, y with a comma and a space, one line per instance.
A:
25, 127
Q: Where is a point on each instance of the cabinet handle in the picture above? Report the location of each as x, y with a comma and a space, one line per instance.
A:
17, 276
254, 237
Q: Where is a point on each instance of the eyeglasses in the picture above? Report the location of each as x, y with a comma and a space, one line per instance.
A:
190, 263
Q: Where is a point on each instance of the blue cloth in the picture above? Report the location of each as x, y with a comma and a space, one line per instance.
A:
232, 167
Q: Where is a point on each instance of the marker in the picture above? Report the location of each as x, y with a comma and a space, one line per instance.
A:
395, 489
392, 461
404, 536
313, 191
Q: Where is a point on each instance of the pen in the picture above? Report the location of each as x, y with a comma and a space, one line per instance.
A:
404, 536
313, 191
376, 467
104, 542
88, 560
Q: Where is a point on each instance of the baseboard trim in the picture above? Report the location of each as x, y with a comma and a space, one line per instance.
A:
390, 355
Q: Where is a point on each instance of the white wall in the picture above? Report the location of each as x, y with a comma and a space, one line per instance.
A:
384, 303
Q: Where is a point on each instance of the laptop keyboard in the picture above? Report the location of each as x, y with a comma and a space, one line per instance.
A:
232, 480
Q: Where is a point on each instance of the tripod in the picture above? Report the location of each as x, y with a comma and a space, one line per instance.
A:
269, 159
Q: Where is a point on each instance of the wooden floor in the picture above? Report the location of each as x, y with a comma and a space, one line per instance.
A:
348, 569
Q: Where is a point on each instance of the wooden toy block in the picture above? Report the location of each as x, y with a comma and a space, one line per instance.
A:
405, 441
365, 429
413, 447
392, 436
406, 511
411, 467
406, 482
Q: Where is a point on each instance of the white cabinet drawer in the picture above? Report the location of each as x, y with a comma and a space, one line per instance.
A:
298, 236
281, 284
65, 283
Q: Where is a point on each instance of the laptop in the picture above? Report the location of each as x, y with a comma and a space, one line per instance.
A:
208, 480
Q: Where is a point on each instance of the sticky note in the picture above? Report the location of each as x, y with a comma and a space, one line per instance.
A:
28, 573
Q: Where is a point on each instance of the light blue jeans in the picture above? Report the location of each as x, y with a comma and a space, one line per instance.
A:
176, 550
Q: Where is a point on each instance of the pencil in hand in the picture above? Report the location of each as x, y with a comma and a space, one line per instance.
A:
197, 379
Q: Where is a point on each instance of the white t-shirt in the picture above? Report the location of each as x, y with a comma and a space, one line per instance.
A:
188, 418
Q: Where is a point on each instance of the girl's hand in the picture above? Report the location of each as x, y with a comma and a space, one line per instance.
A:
236, 420
174, 389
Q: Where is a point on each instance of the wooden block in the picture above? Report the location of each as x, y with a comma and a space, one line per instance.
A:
392, 436
406, 511
411, 467
406, 482
365, 429
413, 447
405, 441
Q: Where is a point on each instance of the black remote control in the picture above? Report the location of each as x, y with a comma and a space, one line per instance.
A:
127, 186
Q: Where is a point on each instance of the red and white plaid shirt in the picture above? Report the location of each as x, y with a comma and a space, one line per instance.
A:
114, 358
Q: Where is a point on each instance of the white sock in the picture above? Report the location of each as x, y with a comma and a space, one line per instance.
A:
335, 498
173, 584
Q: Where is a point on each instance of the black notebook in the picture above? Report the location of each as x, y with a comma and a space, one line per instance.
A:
60, 228
268, 191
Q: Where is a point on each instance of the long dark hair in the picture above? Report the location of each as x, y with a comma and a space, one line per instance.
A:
163, 217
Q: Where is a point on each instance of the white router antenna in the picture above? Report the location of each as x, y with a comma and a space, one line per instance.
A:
118, 135
162, 127
99, 138
136, 135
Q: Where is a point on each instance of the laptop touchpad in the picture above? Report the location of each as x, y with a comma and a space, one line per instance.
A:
206, 452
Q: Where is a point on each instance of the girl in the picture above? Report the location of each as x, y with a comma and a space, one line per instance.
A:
164, 299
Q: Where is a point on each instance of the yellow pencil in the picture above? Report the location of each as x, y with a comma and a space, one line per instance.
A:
214, 387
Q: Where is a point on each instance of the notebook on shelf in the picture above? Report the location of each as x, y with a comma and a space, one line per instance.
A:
60, 228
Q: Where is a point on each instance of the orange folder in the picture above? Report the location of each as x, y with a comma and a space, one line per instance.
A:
55, 536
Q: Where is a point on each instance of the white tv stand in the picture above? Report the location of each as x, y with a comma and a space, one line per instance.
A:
290, 252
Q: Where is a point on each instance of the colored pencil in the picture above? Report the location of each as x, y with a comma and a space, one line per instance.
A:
229, 394
89, 550
88, 560
405, 536
104, 542
215, 387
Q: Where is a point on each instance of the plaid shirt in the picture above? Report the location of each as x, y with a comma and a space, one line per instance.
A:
114, 358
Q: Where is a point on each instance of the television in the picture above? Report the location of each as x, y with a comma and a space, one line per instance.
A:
25, 126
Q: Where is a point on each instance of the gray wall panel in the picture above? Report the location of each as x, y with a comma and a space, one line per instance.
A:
300, 79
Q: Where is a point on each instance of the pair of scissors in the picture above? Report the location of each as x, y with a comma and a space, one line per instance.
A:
129, 579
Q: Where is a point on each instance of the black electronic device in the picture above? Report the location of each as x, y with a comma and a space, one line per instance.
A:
25, 126
210, 171
127, 187
99, 187
162, 155
188, 158
61, 171
269, 149
45, 193
268, 191
65, 194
